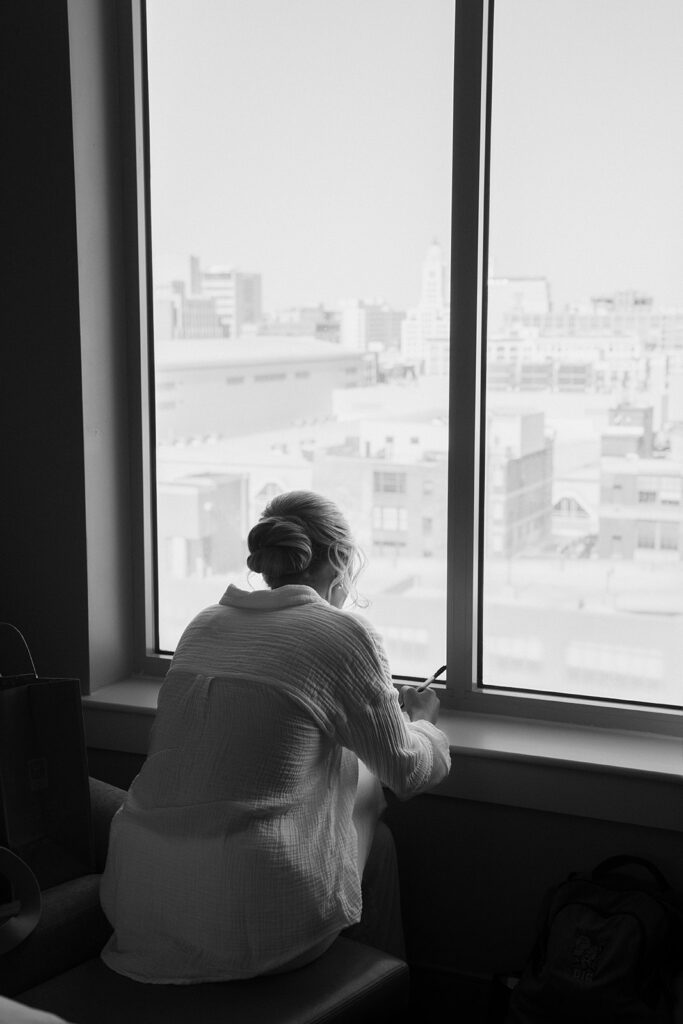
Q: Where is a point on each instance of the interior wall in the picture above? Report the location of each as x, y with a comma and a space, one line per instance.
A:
42, 534
117, 767
64, 458
94, 64
473, 875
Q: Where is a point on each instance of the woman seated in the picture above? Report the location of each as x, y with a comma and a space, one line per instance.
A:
241, 846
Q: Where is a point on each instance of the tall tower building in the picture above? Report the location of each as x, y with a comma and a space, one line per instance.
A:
435, 293
425, 332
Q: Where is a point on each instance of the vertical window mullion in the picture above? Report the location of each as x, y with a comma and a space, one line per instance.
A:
467, 327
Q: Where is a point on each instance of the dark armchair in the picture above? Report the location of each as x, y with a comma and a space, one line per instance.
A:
72, 927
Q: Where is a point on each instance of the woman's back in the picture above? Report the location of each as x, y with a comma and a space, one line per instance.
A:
236, 851
237, 832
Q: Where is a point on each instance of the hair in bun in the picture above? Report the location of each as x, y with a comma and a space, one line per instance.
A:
297, 532
279, 547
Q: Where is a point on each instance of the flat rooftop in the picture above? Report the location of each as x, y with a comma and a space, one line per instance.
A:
248, 350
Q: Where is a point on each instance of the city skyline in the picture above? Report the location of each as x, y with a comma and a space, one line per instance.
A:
581, 303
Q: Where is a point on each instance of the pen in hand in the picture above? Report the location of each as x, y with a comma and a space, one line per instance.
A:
430, 679
428, 682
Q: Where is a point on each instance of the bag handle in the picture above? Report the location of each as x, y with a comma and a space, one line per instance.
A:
20, 915
625, 859
23, 640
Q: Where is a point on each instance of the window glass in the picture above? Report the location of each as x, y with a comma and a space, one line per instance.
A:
300, 178
583, 571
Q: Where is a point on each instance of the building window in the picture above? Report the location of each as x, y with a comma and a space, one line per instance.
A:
670, 493
389, 483
669, 536
570, 508
390, 517
645, 535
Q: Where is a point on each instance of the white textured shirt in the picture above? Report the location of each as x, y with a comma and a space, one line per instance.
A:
235, 849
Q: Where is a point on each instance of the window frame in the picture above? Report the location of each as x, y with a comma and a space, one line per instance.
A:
470, 212
134, 134
469, 260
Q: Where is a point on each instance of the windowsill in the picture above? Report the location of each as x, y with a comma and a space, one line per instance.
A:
135, 695
634, 778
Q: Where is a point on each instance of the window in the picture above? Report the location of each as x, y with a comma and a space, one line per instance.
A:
244, 231
567, 550
670, 536
645, 535
563, 549
570, 508
670, 493
389, 517
389, 483
598, 667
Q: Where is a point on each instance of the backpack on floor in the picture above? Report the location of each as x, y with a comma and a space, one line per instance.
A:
608, 952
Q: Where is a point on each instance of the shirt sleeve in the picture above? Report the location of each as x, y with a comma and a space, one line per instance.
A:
407, 757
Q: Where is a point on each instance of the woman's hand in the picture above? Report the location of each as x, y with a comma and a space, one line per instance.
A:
422, 706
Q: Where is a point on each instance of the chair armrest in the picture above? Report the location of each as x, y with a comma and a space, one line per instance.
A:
105, 801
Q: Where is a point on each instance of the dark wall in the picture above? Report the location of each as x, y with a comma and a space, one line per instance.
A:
118, 767
42, 534
473, 875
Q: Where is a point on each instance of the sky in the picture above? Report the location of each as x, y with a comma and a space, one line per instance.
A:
307, 139
587, 146
311, 140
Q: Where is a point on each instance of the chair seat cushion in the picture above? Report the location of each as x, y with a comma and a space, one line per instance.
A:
350, 984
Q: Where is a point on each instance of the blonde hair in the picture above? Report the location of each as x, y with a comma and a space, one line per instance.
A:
297, 532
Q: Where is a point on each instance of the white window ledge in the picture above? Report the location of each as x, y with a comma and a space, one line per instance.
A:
633, 778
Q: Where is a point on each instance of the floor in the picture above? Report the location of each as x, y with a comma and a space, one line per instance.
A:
437, 996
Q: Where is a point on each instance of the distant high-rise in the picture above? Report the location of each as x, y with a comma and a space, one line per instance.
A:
435, 292
236, 293
425, 332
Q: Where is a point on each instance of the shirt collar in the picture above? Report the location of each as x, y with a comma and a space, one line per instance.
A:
270, 600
